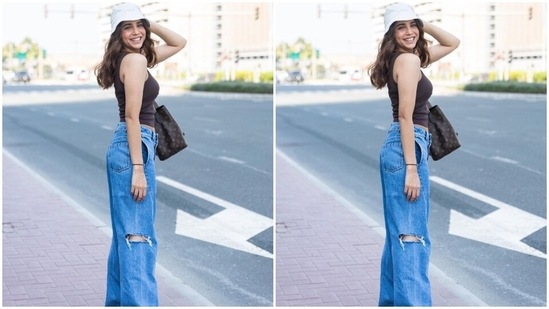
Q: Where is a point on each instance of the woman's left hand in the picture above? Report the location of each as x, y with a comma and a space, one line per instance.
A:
139, 183
412, 184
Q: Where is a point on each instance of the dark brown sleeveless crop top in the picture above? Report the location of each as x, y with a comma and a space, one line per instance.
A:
423, 93
150, 92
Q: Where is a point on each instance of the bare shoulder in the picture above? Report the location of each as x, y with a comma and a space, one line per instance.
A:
407, 60
134, 60
407, 67
133, 66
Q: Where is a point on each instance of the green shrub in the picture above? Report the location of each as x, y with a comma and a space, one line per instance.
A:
540, 77
266, 77
517, 76
508, 86
234, 86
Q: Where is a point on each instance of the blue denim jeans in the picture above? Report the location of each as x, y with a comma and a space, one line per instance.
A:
131, 264
404, 265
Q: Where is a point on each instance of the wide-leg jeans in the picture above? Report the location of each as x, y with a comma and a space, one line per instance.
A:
404, 264
131, 264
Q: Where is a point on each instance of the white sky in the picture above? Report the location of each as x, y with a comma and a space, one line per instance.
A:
330, 33
58, 33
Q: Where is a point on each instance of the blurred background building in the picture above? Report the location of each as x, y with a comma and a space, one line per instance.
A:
223, 37
234, 40
499, 40
226, 40
495, 36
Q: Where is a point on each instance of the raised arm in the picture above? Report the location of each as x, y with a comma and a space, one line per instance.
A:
447, 41
173, 42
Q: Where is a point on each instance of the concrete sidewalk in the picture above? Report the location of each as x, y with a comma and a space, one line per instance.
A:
328, 252
54, 252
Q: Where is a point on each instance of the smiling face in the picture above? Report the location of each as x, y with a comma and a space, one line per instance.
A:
406, 35
133, 35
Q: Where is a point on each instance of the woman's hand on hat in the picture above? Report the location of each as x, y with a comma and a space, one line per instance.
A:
153, 26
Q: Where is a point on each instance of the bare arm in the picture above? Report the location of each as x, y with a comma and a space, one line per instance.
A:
174, 42
133, 73
407, 75
447, 42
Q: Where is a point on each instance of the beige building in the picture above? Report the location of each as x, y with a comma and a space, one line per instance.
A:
488, 32
216, 33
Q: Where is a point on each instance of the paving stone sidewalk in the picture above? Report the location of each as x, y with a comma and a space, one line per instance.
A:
328, 253
53, 253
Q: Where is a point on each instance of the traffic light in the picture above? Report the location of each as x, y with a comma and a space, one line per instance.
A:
236, 56
345, 11
256, 13
72, 11
530, 13
510, 56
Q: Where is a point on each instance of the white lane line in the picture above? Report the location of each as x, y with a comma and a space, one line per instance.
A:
231, 227
505, 160
382, 128
232, 160
505, 227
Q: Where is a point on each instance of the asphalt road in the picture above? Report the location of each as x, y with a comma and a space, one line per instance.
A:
215, 199
488, 199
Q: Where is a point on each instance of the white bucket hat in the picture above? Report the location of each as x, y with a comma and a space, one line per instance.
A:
123, 12
398, 12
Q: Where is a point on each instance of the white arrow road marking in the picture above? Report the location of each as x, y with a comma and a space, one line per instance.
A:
231, 227
504, 227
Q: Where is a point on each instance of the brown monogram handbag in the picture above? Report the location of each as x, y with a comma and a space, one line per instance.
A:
444, 139
170, 136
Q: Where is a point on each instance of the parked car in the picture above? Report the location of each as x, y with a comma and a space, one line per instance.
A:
21, 77
281, 76
77, 74
295, 77
7, 76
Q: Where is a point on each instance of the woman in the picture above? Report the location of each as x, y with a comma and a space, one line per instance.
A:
403, 157
131, 154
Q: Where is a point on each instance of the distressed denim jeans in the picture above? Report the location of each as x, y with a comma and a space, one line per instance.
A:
404, 264
131, 264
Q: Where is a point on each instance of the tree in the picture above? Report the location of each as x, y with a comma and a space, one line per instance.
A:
30, 47
304, 48
9, 51
18, 55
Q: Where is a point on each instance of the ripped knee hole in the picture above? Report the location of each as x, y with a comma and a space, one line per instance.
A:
409, 238
137, 238
405, 238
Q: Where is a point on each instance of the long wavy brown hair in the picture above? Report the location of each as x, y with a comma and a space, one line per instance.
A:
106, 69
379, 70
